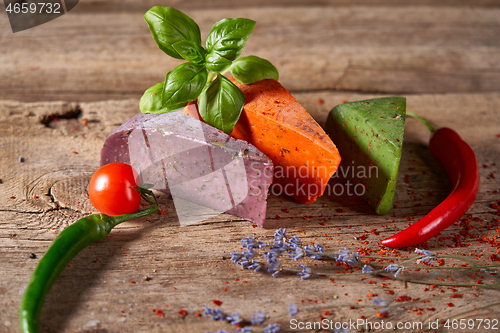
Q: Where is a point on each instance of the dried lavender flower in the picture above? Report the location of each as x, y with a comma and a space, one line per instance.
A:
394, 268
292, 310
306, 272
379, 302
367, 269
259, 318
272, 328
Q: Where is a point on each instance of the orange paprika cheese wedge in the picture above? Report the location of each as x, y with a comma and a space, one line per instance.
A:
304, 156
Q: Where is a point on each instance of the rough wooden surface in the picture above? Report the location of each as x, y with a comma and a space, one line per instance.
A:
444, 57
385, 48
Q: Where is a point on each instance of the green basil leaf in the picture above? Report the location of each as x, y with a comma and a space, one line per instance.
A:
216, 63
182, 85
247, 70
220, 105
151, 100
169, 26
190, 51
228, 37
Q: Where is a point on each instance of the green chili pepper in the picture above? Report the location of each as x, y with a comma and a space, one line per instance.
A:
65, 246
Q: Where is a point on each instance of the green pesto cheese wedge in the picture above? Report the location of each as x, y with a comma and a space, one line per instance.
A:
369, 137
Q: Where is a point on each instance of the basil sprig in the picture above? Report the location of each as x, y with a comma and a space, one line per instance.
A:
220, 102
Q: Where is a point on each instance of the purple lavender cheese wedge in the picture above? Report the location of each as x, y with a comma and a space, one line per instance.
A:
206, 171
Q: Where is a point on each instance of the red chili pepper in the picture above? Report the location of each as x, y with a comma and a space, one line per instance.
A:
460, 164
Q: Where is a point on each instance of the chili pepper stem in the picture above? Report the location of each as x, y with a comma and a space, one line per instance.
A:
422, 120
126, 217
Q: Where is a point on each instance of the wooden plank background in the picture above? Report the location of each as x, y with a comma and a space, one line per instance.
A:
94, 63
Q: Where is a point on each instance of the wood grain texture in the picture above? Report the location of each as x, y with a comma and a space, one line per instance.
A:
66, 85
189, 266
98, 55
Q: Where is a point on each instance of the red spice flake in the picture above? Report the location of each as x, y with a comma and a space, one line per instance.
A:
479, 282
254, 225
456, 296
403, 298
162, 212
371, 295
285, 210
197, 314
236, 279
320, 101
326, 313
12, 197
217, 302
133, 282
182, 312
352, 307
85, 122
415, 299
160, 313
278, 217
122, 311
494, 257
450, 304
390, 292
69, 265
345, 101
244, 281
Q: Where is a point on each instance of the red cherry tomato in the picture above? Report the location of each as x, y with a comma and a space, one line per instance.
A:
111, 192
